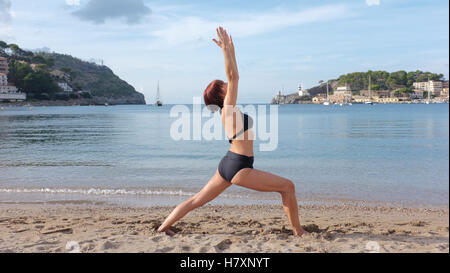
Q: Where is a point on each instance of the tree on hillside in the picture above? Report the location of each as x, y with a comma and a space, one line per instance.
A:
17, 72
39, 59
15, 49
30, 81
40, 82
382, 80
397, 79
425, 76
3, 47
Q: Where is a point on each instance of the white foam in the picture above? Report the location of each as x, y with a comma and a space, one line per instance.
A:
100, 191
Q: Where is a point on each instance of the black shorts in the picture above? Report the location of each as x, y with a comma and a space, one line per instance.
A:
232, 163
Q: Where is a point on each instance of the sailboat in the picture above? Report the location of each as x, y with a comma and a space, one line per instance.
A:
429, 98
158, 98
429, 93
327, 102
370, 92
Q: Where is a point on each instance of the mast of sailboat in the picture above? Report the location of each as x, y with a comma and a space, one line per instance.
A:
370, 88
327, 89
157, 93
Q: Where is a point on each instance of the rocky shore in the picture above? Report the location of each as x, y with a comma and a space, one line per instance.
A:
136, 99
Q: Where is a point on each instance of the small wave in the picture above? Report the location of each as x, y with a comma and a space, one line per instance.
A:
109, 192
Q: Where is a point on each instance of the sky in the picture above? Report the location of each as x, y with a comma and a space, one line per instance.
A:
279, 44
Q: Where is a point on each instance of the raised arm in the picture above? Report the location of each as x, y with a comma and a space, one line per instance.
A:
226, 43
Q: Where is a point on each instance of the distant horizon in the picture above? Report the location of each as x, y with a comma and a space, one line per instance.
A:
280, 44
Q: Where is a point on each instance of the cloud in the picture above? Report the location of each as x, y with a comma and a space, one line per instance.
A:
184, 30
5, 11
373, 2
98, 11
73, 2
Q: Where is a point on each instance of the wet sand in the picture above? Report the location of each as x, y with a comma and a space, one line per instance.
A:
211, 229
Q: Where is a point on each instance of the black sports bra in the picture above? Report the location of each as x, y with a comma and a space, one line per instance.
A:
248, 124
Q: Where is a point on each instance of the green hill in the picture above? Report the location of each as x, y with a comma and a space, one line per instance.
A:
38, 75
383, 80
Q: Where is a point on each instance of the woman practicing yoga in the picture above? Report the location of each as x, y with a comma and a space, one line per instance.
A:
237, 166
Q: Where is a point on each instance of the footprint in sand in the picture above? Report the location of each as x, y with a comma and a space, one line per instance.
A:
164, 250
203, 250
224, 244
157, 238
185, 248
109, 245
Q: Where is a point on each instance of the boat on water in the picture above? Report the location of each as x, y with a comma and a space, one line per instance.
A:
158, 102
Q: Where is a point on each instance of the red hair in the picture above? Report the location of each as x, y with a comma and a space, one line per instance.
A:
215, 93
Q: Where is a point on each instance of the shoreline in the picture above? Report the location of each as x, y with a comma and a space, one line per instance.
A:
98, 101
217, 229
102, 103
166, 197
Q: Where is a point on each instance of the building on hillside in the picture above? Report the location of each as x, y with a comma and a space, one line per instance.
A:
375, 93
301, 92
8, 92
343, 90
361, 99
417, 94
342, 94
435, 87
3, 79
387, 100
4, 68
65, 87
444, 93
319, 99
8, 89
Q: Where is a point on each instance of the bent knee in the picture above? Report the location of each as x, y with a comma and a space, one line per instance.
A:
289, 186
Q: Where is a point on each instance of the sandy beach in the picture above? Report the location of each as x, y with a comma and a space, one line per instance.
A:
211, 229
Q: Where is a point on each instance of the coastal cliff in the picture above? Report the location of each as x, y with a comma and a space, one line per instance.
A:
296, 99
99, 80
59, 79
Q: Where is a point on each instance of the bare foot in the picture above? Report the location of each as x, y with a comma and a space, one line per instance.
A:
168, 232
300, 233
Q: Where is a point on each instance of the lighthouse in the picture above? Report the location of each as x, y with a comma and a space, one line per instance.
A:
301, 92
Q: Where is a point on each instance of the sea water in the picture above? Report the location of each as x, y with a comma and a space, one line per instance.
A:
393, 153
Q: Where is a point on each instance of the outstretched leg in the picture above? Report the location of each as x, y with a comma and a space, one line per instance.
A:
267, 182
214, 187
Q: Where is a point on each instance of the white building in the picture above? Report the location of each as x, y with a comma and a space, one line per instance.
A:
8, 89
3, 79
65, 87
435, 87
302, 92
343, 90
4, 65
9, 92
13, 96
